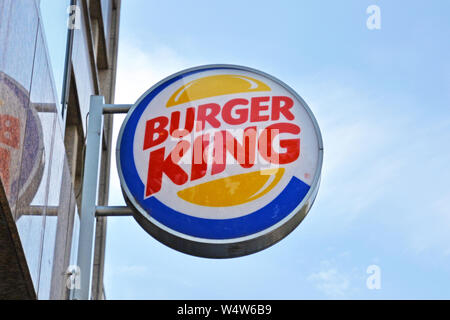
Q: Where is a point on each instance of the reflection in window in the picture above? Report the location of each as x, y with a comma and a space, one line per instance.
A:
54, 20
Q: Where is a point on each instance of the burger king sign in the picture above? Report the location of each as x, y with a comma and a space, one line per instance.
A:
219, 161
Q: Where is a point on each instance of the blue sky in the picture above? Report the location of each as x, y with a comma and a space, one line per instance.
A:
382, 101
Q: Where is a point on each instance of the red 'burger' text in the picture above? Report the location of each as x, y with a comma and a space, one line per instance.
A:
235, 112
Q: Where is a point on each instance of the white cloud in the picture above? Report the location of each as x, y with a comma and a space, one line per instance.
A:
370, 148
331, 282
383, 154
139, 70
431, 227
358, 144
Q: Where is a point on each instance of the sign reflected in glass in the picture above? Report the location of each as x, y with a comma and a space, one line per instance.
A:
21, 143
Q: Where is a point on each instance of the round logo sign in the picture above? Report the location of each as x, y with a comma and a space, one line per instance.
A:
22, 156
219, 161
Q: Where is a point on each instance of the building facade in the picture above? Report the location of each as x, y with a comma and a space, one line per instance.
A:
54, 54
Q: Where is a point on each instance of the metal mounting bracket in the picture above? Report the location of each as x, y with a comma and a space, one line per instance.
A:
89, 209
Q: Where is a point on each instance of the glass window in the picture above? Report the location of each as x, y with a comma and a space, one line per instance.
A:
54, 20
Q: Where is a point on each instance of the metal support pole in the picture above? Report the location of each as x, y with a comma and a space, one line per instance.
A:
113, 211
116, 108
89, 198
89, 210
